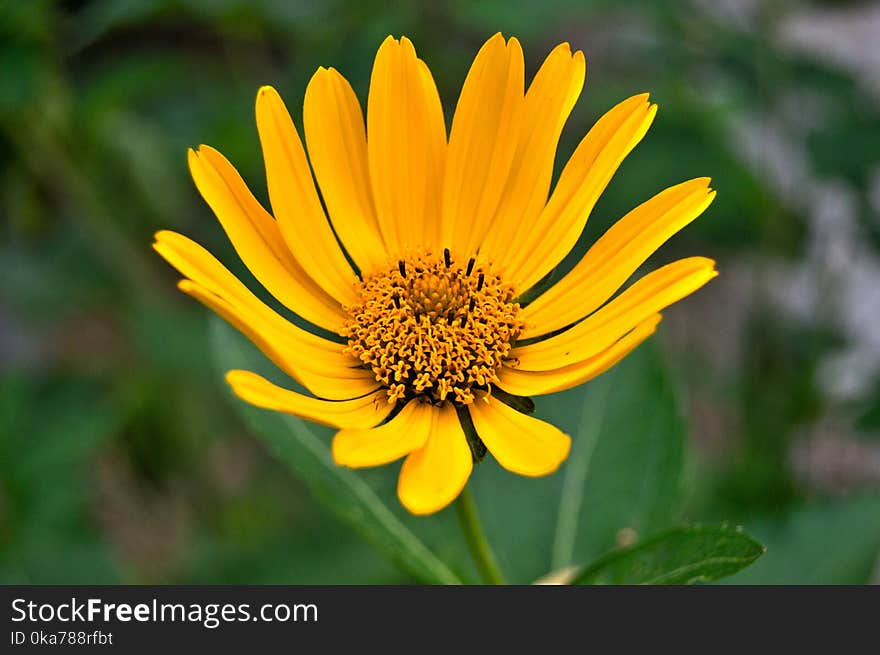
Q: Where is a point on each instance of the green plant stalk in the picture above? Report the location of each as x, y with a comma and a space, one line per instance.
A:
472, 529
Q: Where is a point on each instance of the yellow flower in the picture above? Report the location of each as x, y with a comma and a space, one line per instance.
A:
429, 244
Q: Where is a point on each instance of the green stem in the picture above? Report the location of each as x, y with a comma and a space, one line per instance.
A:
472, 529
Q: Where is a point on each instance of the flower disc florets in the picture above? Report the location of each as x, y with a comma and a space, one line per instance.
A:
433, 327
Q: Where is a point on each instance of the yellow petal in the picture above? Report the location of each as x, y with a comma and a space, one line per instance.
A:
406, 146
403, 434
293, 349
616, 256
598, 331
257, 240
197, 264
548, 102
433, 476
295, 200
337, 144
362, 412
325, 373
548, 239
482, 144
522, 444
536, 383
436, 140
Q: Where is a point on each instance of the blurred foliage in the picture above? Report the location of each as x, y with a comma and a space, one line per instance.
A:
123, 460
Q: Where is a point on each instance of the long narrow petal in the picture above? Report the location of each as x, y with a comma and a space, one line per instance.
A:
337, 142
406, 146
295, 200
598, 331
361, 413
199, 265
295, 350
257, 240
433, 476
324, 373
482, 144
522, 444
536, 383
582, 181
547, 105
435, 136
616, 256
406, 432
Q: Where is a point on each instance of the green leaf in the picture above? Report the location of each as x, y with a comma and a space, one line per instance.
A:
342, 490
833, 542
679, 556
624, 473
625, 468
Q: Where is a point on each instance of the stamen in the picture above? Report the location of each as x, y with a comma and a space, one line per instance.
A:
414, 327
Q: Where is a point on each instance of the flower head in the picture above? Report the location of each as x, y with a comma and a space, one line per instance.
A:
426, 247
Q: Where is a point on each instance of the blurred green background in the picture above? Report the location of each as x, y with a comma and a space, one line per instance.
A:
122, 457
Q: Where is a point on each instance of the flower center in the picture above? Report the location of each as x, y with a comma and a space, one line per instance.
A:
433, 327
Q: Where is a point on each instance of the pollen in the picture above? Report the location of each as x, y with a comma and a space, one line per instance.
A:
433, 327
